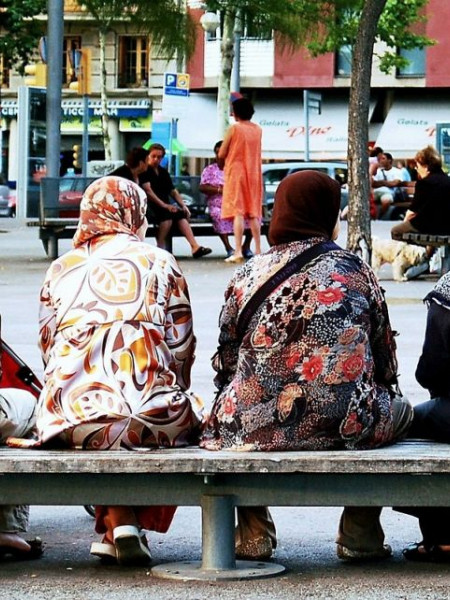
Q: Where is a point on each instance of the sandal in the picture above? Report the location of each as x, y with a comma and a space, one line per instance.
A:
259, 548
422, 552
105, 551
202, 251
36, 550
131, 547
350, 555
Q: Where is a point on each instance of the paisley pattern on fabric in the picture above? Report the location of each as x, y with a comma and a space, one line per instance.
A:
110, 205
117, 341
317, 364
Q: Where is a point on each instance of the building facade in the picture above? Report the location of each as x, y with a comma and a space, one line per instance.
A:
135, 74
405, 107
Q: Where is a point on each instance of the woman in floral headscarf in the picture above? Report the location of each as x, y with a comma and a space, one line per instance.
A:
315, 368
117, 342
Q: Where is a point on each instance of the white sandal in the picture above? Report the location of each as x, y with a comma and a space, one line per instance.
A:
106, 552
131, 546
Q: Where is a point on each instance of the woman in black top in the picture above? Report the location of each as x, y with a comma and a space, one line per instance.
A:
430, 208
432, 419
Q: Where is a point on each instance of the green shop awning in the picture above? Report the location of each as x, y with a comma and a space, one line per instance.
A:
177, 146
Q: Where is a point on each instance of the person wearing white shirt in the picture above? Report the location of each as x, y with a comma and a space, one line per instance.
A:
386, 183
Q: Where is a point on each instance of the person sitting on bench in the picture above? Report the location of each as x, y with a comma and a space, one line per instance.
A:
17, 418
158, 185
306, 357
432, 420
430, 208
117, 342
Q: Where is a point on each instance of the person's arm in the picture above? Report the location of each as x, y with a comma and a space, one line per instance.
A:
153, 198
208, 182
210, 190
385, 183
410, 214
175, 194
225, 148
434, 363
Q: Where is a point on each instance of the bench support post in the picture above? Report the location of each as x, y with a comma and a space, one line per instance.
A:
218, 554
218, 524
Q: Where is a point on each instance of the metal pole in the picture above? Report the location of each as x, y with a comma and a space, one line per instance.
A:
55, 33
306, 119
218, 524
85, 141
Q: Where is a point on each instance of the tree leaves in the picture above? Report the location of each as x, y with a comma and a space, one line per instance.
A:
20, 30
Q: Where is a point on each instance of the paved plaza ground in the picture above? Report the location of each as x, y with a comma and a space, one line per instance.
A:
306, 536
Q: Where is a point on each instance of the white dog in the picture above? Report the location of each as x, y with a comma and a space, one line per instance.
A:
399, 254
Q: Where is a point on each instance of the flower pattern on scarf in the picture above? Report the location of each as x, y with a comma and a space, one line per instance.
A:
315, 368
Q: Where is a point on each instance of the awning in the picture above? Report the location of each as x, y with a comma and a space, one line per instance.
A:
177, 146
282, 122
411, 125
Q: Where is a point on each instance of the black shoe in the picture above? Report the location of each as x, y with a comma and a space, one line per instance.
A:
202, 251
421, 552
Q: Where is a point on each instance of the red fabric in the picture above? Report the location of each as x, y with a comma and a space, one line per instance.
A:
152, 518
372, 206
12, 367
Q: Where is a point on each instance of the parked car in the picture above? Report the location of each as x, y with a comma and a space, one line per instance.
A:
7, 201
273, 173
71, 190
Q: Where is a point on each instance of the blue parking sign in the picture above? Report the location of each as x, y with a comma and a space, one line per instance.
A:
176, 84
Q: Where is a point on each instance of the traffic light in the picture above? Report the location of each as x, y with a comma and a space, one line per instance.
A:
36, 75
81, 61
77, 152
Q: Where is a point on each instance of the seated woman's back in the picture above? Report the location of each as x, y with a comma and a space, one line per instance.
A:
314, 368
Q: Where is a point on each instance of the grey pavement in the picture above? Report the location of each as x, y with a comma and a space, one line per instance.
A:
306, 535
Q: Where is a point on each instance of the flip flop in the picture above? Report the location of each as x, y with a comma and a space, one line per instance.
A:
428, 553
36, 550
202, 251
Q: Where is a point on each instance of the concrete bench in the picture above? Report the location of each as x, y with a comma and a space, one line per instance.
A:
438, 241
412, 473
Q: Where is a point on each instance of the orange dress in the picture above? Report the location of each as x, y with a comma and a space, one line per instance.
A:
242, 190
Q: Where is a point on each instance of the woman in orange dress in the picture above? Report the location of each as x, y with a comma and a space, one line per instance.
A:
243, 190
117, 342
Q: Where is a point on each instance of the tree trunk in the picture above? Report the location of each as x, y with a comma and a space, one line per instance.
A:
104, 94
359, 235
226, 65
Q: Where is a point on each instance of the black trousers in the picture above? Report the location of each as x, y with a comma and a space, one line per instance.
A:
432, 421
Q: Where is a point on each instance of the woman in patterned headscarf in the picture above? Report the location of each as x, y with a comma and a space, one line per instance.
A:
315, 367
117, 342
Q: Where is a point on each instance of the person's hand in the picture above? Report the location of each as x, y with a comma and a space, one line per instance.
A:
187, 212
172, 208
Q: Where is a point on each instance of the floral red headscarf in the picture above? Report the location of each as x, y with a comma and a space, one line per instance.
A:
110, 205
